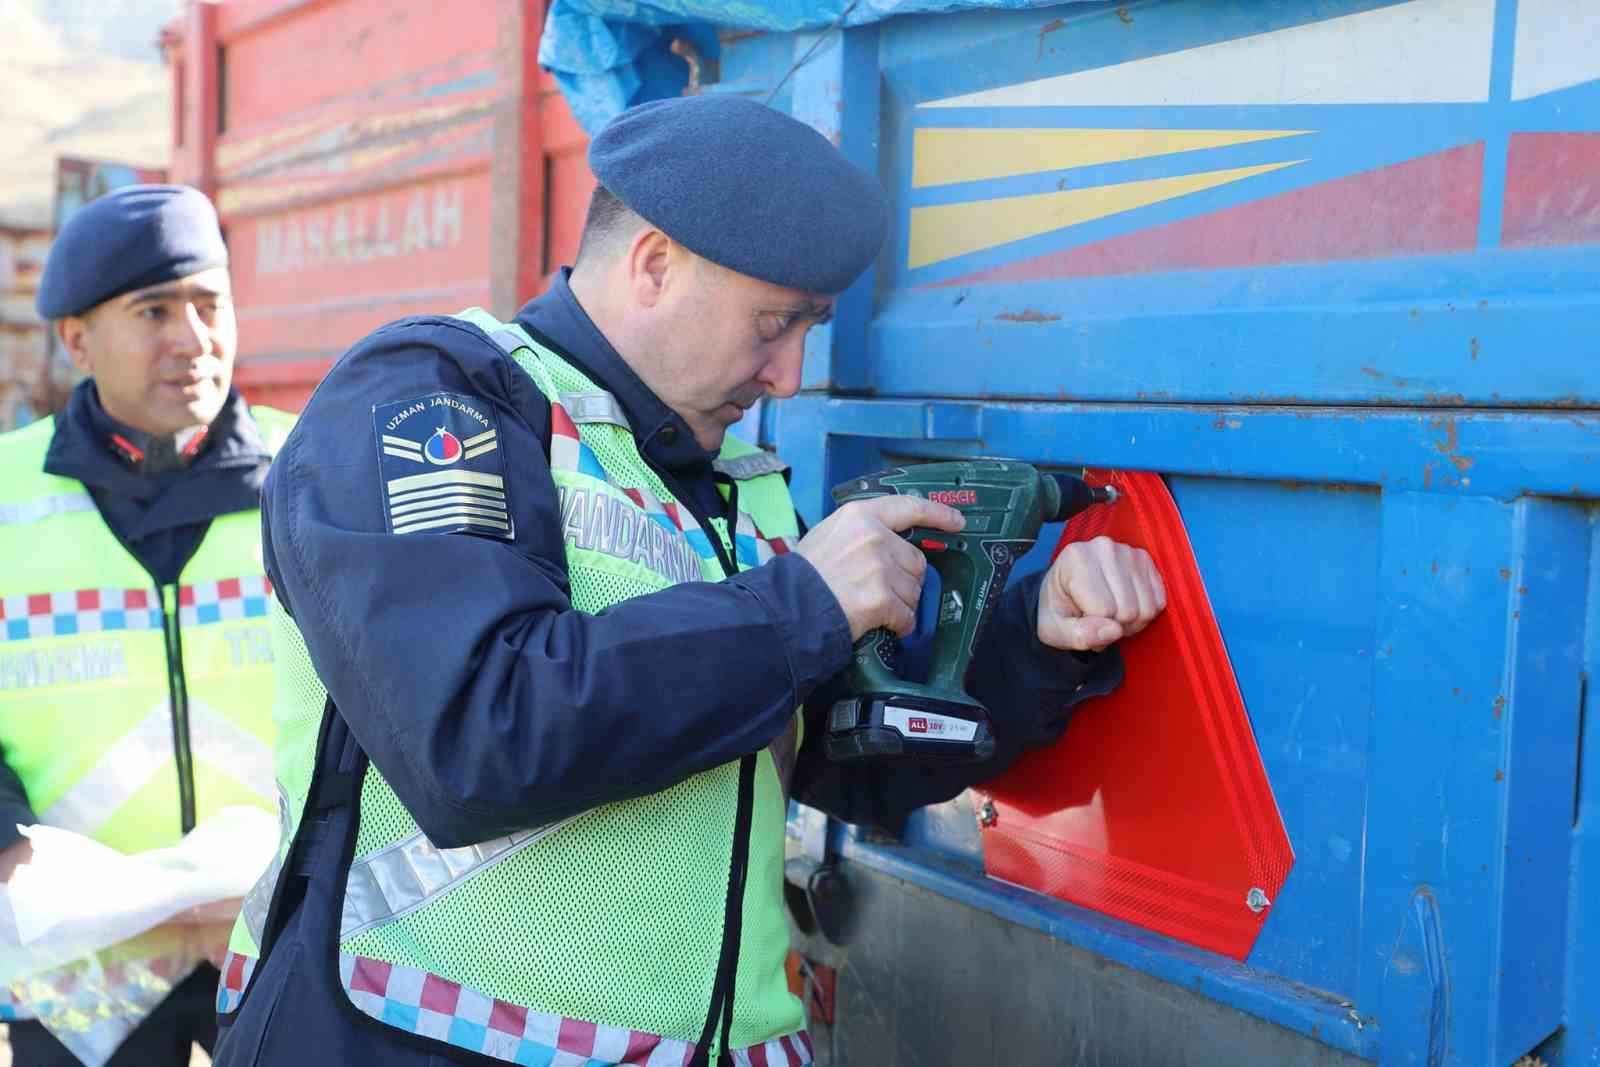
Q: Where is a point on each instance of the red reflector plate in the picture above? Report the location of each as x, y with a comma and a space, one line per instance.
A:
1154, 807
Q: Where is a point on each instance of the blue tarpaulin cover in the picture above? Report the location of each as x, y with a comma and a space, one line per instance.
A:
609, 54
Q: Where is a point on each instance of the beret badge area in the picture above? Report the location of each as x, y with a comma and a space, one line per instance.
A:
441, 468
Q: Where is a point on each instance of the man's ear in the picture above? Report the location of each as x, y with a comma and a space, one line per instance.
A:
649, 255
73, 332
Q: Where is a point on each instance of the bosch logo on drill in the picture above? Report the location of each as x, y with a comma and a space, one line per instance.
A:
953, 496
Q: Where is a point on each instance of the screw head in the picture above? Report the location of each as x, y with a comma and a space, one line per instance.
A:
987, 815
1257, 900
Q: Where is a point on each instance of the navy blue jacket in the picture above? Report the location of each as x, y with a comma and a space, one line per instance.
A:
159, 518
490, 704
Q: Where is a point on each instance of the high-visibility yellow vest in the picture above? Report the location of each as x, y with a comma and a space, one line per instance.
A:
128, 709
600, 935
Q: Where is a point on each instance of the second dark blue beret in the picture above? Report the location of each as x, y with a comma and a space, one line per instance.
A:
746, 187
130, 238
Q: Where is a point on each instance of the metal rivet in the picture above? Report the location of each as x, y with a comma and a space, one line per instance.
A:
1257, 900
987, 816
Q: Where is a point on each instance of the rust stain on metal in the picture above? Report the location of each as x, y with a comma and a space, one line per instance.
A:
702, 71
1499, 705
1027, 315
1505, 574
1127, 19
1371, 372
1473, 350
1050, 27
1499, 776
1449, 446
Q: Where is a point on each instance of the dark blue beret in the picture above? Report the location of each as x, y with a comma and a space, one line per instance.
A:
746, 187
129, 238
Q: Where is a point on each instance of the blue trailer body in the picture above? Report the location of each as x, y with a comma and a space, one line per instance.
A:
1353, 318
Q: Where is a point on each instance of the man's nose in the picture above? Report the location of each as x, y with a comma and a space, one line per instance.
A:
191, 333
782, 373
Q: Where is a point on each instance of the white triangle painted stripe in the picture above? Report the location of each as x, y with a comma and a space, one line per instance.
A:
1423, 51
1558, 46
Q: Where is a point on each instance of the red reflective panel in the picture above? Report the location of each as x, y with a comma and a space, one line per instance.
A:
1153, 807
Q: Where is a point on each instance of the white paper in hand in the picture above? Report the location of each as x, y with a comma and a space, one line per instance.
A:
76, 895
83, 947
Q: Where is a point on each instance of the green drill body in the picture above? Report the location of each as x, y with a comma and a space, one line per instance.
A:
1005, 503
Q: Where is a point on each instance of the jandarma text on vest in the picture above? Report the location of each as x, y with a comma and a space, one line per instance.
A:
92, 661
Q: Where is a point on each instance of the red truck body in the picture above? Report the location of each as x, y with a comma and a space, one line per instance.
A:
372, 159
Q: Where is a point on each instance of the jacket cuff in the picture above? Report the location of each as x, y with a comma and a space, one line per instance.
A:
806, 617
1025, 611
12, 813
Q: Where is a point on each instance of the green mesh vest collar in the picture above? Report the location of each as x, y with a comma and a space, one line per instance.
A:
653, 874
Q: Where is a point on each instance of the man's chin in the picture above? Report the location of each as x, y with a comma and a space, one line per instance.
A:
176, 418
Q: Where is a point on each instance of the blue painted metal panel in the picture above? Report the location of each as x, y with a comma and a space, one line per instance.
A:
1386, 462
1301, 641
1579, 1040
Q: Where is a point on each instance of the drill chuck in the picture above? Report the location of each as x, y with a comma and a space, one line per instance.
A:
1066, 496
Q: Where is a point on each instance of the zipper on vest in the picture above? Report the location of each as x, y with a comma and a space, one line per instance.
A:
178, 701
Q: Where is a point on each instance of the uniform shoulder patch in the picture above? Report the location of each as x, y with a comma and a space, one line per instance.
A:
441, 467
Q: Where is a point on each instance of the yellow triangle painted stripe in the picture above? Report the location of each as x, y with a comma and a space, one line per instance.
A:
949, 230
942, 156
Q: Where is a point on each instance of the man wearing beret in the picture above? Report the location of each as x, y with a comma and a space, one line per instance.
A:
546, 626
135, 674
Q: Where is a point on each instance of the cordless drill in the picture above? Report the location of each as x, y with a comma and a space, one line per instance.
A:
886, 717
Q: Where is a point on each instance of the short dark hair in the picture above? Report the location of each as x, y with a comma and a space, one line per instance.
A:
608, 220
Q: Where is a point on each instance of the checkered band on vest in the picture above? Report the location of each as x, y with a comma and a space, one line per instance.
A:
10, 1009
417, 1002
236, 971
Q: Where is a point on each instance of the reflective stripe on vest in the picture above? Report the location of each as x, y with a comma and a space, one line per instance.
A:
595, 407
144, 751
406, 875
43, 508
743, 468
258, 901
